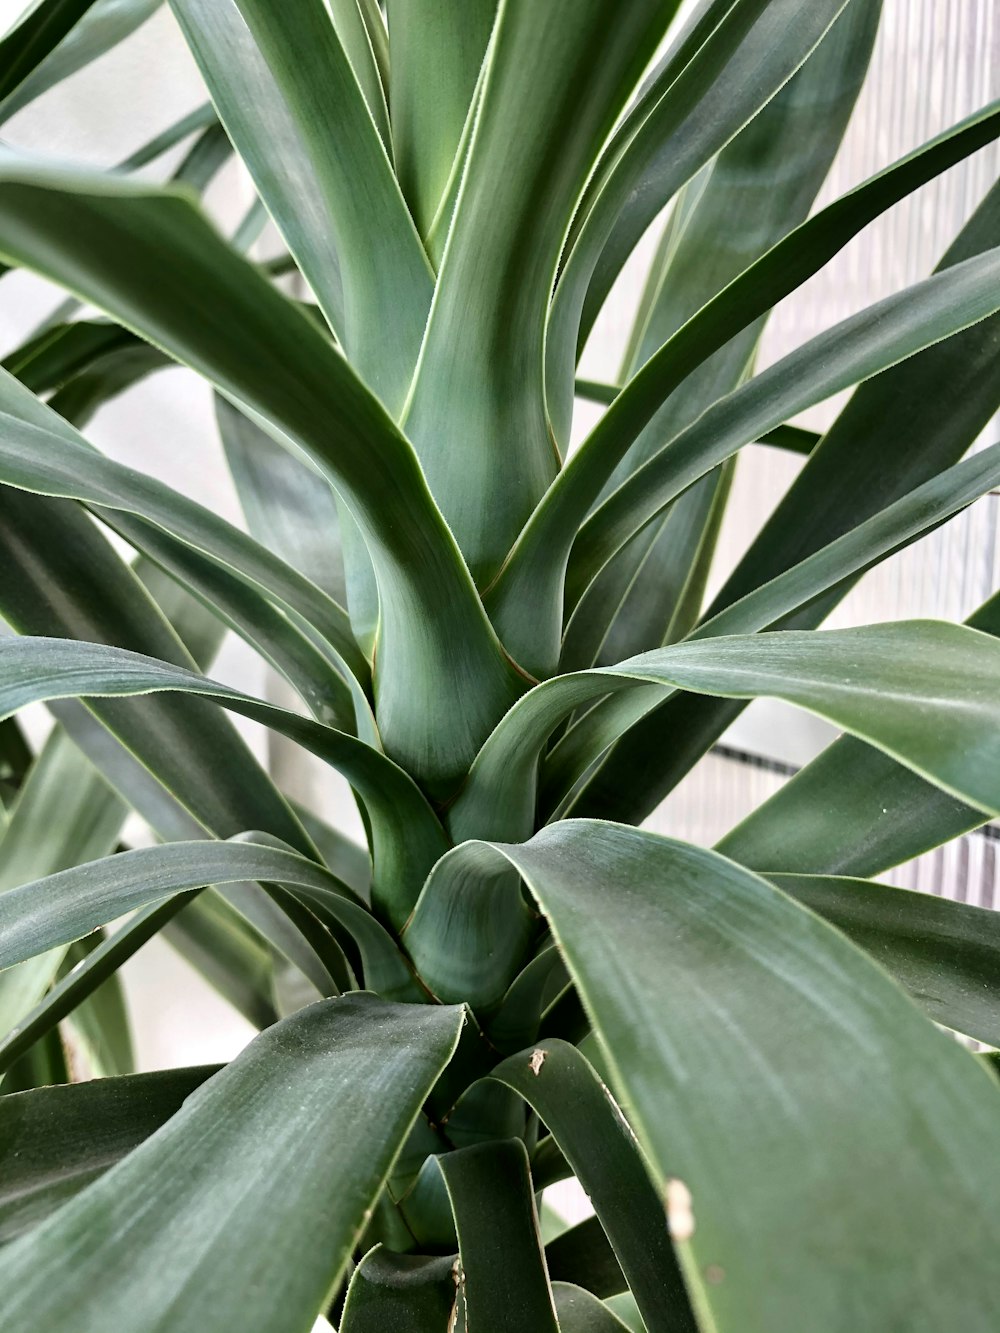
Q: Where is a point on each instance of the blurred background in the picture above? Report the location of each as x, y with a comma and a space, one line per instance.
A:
935, 61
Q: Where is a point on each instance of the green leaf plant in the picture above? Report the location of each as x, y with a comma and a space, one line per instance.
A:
745, 1055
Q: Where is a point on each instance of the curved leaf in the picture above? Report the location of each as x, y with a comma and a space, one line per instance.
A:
768, 176
681, 122
64, 814
922, 691
191, 749
774, 603
72, 903
567, 1095
108, 239
261, 1184
853, 810
580, 1312
504, 1283
77, 985
553, 529
408, 839
771, 1073
401, 1293
42, 453
896, 432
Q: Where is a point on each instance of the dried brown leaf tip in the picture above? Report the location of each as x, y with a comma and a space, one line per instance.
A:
680, 1210
536, 1061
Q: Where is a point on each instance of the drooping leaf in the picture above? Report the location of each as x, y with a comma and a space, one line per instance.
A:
918, 690
735, 1023
853, 810
261, 1184
69, 582
72, 903
407, 837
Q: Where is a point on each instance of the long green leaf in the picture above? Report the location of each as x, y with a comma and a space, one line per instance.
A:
533, 576
64, 814
76, 986
769, 177
42, 453
556, 79
921, 691
897, 431
55, 1141
504, 1282
408, 839
104, 24
681, 122
856, 349
188, 746
566, 1093
944, 953
435, 56
34, 37
772, 1073
285, 78
66, 906
107, 239
853, 810
261, 1184
774, 603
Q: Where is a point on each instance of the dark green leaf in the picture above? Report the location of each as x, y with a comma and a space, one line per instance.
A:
566, 1093
55, 1141
503, 1278
401, 1293
259, 1185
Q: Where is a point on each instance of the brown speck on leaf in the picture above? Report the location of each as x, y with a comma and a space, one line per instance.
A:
714, 1275
680, 1210
458, 1277
536, 1062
